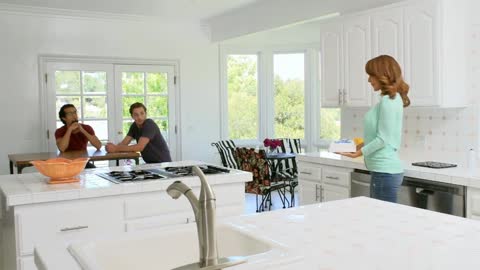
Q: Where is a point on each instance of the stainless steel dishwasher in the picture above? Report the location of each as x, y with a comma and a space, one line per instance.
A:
360, 183
426, 194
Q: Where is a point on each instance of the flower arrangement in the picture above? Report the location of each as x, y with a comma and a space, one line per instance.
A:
272, 143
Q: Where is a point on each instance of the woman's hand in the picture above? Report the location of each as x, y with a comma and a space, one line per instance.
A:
356, 154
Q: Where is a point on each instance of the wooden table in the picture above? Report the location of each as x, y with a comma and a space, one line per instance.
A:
23, 160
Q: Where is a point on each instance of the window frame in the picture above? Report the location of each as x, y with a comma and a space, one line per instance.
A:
311, 141
46, 79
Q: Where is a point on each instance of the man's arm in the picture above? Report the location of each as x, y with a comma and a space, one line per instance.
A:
124, 147
91, 138
63, 142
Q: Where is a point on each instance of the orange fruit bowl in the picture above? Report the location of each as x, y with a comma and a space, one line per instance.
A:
61, 170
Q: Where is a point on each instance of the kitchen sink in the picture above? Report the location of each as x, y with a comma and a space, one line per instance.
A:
166, 249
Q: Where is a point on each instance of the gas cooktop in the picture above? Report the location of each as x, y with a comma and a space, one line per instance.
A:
158, 174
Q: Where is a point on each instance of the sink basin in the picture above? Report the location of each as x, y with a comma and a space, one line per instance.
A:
166, 249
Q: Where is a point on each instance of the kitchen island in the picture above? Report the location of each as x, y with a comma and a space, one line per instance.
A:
358, 233
33, 211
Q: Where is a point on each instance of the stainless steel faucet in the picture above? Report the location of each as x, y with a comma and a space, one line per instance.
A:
204, 209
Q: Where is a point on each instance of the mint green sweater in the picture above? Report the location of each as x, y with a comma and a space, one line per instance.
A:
382, 136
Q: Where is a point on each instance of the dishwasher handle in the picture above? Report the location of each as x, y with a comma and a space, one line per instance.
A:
360, 183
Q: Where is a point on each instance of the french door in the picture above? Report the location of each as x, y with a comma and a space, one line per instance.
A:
103, 93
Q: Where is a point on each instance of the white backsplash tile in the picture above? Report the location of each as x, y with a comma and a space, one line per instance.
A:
427, 129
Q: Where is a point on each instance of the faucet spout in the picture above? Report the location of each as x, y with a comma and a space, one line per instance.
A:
178, 188
204, 209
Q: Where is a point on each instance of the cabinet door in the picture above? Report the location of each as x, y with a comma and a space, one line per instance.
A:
387, 36
331, 64
421, 52
332, 193
309, 192
27, 263
357, 51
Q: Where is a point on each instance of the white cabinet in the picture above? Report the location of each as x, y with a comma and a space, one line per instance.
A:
322, 183
344, 49
421, 52
473, 203
309, 192
387, 36
333, 192
428, 39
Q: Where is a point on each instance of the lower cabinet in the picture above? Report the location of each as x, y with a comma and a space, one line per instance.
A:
66, 221
309, 192
27, 263
473, 203
322, 183
332, 193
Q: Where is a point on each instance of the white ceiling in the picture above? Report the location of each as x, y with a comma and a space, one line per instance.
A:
181, 10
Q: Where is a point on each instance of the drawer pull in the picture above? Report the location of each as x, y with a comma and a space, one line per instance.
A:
67, 229
307, 173
332, 177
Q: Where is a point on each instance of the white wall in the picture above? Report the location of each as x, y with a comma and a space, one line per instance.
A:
24, 37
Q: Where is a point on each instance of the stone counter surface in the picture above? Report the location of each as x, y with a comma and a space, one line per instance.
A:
30, 188
460, 175
358, 233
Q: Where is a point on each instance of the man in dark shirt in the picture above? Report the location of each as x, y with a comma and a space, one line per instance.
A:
148, 136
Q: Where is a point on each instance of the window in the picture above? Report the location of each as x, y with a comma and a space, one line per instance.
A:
330, 124
102, 92
148, 88
242, 91
289, 95
87, 91
330, 118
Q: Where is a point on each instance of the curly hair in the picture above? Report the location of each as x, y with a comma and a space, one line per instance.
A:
388, 72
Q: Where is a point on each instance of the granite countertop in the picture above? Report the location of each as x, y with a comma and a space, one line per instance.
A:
18, 189
460, 175
357, 233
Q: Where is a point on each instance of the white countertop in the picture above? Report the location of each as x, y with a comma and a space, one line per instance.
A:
18, 189
358, 233
458, 175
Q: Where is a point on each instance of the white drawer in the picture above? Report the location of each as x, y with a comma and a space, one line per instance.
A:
155, 204
66, 222
309, 171
334, 177
160, 221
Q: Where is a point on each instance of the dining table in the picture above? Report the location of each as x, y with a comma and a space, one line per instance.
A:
22, 160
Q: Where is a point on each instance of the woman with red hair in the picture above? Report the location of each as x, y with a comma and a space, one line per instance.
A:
383, 128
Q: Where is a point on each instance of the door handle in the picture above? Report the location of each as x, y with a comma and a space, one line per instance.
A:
76, 228
344, 96
339, 96
307, 173
332, 177
318, 195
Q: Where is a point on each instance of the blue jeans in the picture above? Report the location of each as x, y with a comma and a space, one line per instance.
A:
385, 186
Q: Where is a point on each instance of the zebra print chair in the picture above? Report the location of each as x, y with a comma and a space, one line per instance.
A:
289, 166
226, 149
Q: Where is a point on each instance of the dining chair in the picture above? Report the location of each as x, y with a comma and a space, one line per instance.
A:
262, 183
290, 170
226, 149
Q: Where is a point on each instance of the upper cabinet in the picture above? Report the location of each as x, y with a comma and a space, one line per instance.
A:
345, 47
426, 37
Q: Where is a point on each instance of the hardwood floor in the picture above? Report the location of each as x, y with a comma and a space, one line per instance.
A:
250, 204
